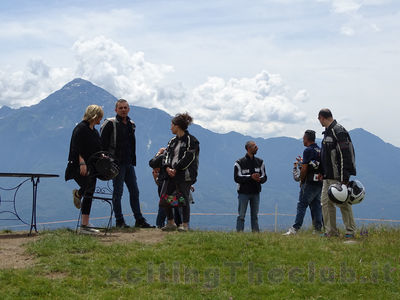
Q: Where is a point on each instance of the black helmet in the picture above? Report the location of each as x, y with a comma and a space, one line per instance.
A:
104, 165
356, 192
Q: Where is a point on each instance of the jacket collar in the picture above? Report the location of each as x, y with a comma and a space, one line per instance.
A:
183, 136
248, 157
119, 119
330, 126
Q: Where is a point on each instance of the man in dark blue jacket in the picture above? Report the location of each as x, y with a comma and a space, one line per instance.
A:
249, 174
310, 185
118, 137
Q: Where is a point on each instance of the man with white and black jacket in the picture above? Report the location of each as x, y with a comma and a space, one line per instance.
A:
337, 165
249, 173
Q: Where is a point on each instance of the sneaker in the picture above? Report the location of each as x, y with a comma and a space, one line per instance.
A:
85, 229
349, 236
182, 228
291, 231
169, 227
77, 198
121, 224
143, 224
327, 235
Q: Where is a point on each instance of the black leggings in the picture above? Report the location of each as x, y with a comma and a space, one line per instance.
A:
184, 188
87, 186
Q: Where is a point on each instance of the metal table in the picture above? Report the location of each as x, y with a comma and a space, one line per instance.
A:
35, 179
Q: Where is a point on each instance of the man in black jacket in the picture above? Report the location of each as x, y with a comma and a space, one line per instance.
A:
249, 174
118, 137
337, 165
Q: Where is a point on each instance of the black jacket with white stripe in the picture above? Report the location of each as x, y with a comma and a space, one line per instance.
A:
243, 170
337, 154
188, 158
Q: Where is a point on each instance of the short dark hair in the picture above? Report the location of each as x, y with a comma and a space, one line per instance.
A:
182, 120
248, 143
120, 101
325, 113
310, 135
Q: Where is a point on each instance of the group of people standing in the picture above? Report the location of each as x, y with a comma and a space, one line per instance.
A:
175, 169
320, 168
317, 170
178, 162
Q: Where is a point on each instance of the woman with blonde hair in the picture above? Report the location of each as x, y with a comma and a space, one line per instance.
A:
85, 141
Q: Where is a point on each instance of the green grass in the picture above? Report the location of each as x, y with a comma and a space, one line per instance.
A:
210, 265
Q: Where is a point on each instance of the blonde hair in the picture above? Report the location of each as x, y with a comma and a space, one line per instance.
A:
93, 112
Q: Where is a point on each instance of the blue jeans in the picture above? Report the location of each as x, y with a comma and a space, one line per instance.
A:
126, 174
310, 195
254, 200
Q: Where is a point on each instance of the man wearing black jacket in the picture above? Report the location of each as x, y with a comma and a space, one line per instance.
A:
249, 174
118, 137
337, 165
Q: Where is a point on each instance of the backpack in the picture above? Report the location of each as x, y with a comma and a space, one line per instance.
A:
113, 137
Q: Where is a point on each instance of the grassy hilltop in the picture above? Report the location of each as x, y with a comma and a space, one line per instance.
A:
150, 264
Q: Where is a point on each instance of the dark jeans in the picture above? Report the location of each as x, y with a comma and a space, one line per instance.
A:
162, 215
310, 195
126, 174
87, 185
254, 200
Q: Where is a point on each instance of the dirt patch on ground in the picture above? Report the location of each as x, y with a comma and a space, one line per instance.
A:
146, 236
12, 251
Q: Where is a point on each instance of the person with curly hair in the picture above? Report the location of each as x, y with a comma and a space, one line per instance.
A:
181, 163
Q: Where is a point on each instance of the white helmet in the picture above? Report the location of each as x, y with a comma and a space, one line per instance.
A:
356, 192
338, 193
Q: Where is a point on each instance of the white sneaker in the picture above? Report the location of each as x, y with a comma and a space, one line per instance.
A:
291, 231
84, 229
182, 228
169, 227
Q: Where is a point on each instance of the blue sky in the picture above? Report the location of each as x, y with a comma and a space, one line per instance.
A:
262, 68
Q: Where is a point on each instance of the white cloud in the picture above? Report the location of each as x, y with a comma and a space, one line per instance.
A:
37, 81
260, 105
99, 60
347, 30
355, 18
109, 65
301, 96
70, 23
346, 6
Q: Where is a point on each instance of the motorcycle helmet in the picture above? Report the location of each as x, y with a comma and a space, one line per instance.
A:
338, 193
105, 166
356, 192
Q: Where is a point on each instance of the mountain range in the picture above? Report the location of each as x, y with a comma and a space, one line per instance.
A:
36, 139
